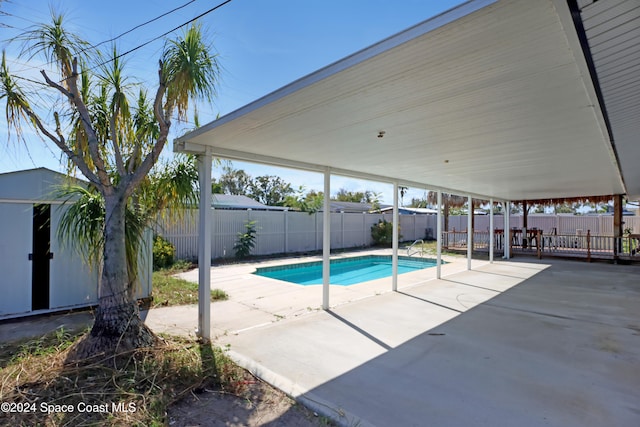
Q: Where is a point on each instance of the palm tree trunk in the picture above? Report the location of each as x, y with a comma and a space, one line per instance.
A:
117, 327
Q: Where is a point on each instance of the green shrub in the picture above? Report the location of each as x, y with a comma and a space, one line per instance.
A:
163, 253
382, 233
246, 241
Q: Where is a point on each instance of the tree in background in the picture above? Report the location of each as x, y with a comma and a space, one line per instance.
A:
310, 202
367, 196
418, 203
93, 122
270, 190
402, 191
234, 181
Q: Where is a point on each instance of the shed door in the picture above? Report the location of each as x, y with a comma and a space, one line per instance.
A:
41, 257
16, 226
72, 281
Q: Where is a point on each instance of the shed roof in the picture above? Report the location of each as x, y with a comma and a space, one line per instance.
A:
493, 99
32, 185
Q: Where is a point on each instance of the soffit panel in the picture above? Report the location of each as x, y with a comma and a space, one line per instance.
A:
497, 93
612, 28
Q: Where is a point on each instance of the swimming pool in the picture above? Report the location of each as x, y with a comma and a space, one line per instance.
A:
345, 271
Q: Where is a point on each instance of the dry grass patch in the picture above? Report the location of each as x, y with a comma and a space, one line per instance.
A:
135, 390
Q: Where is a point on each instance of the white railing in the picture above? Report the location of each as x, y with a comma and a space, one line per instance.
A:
576, 245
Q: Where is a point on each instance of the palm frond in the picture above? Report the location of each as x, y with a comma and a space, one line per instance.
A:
54, 43
16, 101
82, 223
189, 70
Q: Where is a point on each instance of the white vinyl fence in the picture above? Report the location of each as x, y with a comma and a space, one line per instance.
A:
286, 231
279, 232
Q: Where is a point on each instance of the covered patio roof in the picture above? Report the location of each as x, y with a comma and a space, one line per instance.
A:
494, 99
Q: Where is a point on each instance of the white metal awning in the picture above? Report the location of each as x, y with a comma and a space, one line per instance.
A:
496, 99
493, 98
612, 30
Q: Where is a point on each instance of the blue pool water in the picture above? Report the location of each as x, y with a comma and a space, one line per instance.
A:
346, 271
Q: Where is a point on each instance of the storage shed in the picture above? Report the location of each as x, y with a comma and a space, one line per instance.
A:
39, 274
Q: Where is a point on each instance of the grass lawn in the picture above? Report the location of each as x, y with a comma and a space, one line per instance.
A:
169, 290
430, 248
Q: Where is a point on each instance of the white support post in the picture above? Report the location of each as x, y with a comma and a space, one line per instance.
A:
326, 240
491, 231
469, 232
396, 223
204, 246
507, 230
439, 236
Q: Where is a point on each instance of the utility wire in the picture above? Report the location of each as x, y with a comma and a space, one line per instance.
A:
116, 37
138, 26
161, 35
151, 40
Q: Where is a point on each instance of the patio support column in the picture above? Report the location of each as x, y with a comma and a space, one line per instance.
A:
491, 231
525, 225
326, 240
439, 236
507, 230
618, 225
469, 232
395, 237
204, 246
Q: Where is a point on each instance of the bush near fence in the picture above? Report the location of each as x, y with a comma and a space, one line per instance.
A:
282, 232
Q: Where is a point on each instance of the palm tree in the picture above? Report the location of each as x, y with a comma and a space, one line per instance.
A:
167, 191
109, 148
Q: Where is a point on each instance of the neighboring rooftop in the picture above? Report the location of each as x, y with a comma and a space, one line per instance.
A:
232, 201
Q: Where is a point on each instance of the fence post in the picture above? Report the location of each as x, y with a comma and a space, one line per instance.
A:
342, 245
286, 231
588, 245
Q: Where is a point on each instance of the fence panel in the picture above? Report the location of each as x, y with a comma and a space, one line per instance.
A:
301, 232
286, 232
632, 222
225, 229
270, 231
183, 233
352, 227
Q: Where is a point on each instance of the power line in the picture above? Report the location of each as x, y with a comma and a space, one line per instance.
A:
139, 26
161, 35
105, 41
2, 12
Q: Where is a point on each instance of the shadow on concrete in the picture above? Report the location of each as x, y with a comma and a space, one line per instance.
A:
360, 330
562, 348
430, 302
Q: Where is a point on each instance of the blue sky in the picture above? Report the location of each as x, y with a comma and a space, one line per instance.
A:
262, 45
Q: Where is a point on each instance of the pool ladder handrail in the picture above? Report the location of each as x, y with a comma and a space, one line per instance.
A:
420, 251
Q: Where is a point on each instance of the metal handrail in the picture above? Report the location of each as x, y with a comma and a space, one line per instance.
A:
421, 251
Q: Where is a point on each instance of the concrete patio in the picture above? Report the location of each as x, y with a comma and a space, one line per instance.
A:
522, 343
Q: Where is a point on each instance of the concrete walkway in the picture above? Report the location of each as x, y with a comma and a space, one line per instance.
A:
510, 343
524, 342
